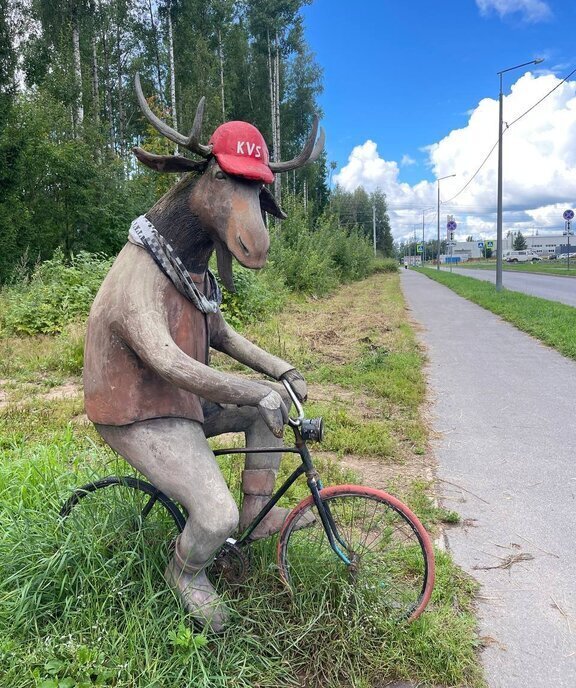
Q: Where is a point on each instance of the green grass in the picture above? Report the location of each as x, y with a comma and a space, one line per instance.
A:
545, 267
550, 322
84, 603
87, 606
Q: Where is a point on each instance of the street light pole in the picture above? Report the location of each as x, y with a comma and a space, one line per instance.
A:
499, 247
438, 218
423, 244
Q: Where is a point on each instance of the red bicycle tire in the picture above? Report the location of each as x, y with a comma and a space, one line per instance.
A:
396, 504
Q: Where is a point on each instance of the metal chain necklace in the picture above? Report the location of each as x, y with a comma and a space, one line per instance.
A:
143, 233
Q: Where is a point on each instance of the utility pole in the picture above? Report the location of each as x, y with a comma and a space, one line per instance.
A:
499, 183
423, 244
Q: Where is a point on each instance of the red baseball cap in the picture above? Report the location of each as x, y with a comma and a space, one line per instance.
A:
240, 149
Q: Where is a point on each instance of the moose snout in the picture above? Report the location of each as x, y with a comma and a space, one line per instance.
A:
243, 246
252, 248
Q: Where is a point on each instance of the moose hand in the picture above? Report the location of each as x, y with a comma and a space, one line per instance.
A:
273, 412
297, 382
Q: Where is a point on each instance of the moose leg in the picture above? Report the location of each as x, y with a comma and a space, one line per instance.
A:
260, 469
174, 455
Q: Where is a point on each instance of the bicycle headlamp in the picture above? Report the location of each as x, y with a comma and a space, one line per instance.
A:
312, 429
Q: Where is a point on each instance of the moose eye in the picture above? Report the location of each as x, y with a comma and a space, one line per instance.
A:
220, 175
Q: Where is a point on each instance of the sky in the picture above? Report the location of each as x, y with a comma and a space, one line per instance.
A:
411, 94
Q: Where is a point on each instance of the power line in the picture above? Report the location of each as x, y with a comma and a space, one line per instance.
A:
507, 128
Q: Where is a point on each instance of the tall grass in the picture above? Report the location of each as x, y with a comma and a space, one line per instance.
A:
83, 602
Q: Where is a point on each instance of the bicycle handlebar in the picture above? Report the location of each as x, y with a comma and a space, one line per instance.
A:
294, 422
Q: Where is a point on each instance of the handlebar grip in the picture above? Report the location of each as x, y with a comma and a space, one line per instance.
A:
298, 420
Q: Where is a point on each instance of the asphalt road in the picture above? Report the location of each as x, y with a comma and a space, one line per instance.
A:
552, 287
502, 405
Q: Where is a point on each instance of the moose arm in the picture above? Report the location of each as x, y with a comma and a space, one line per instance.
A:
224, 338
146, 332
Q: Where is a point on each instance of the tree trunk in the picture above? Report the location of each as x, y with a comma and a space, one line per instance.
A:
272, 73
221, 57
121, 123
155, 33
278, 178
78, 106
108, 93
272, 95
172, 72
95, 81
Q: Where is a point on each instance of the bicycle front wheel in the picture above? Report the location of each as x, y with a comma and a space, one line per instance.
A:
379, 547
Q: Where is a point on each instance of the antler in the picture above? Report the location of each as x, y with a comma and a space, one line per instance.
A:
309, 153
192, 142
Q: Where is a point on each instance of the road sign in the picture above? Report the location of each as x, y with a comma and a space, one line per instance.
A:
450, 243
568, 215
451, 225
480, 244
489, 244
420, 248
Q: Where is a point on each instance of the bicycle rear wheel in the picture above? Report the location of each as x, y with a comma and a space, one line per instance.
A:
113, 509
390, 555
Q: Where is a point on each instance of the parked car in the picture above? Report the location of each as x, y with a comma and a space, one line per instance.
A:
522, 257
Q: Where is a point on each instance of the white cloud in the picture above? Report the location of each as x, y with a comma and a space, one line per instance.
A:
531, 10
539, 165
407, 161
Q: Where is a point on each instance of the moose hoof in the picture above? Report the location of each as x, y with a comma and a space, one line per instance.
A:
198, 597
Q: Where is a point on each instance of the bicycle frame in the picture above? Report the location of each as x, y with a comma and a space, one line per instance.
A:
313, 481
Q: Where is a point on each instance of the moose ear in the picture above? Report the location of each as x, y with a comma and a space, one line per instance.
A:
169, 163
269, 205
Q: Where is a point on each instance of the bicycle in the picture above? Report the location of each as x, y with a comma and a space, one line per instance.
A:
360, 536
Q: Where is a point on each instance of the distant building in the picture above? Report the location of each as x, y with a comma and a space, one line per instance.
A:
549, 245
543, 245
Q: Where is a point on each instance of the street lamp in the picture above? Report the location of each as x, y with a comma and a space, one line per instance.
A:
538, 60
438, 211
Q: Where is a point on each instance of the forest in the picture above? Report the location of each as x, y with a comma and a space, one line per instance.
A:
69, 116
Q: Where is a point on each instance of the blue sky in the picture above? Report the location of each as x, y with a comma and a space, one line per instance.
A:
407, 75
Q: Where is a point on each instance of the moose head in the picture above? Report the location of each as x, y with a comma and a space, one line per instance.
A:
221, 205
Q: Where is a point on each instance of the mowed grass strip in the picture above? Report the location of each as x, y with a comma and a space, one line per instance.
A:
84, 602
552, 323
543, 267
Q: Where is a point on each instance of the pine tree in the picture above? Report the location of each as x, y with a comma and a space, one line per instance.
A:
519, 243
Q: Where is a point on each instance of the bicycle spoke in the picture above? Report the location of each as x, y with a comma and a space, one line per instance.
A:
388, 566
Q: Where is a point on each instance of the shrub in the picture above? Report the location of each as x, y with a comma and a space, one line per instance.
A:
257, 295
58, 293
302, 259
385, 265
316, 260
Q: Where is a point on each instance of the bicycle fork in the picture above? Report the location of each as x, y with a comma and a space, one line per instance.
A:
330, 528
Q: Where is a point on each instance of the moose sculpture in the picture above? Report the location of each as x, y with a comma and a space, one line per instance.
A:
148, 386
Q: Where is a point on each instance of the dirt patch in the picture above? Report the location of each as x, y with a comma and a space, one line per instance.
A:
67, 390
3, 395
392, 477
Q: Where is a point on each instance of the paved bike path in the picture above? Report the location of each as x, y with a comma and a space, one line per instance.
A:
503, 406
551, 287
